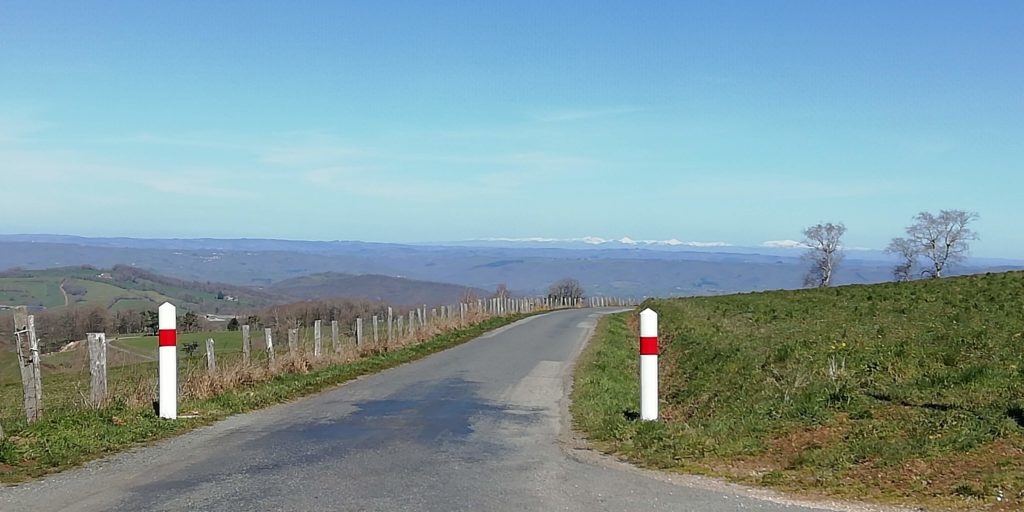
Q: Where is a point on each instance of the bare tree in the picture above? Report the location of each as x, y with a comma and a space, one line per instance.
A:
905, 249
502, 292
942, 239
469, 296
823, 252
567, 288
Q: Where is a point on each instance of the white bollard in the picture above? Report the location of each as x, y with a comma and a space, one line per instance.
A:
648, 365
168, 353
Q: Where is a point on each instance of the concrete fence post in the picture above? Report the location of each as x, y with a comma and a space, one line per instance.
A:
335, 344
375, 338
293, 342
359, 332
317, 339
211, 356
246, 344
391, 325
97, 367
268, 336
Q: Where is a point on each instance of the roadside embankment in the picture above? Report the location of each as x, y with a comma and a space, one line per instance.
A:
902, 393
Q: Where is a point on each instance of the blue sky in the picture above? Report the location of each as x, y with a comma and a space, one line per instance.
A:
738, 122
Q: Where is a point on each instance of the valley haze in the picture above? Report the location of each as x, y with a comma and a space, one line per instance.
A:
625, 267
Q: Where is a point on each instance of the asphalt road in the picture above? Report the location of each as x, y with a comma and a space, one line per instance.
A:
479, 427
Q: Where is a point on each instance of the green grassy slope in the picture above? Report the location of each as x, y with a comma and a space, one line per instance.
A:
43, 291
394, 290
224, 342
121, 288
901, 392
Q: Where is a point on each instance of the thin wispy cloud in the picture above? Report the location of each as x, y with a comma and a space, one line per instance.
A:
189, 183
377, 184
300, 155
216, 141
777, 186
76, 171
567, 115
16, 128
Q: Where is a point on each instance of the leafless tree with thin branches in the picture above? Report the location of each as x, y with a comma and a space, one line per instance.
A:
942, 239
905, 249
824, 253
566, 288
502, 291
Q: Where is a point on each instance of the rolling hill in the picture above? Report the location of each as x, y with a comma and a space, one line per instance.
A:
375, 287
121, 288
124, 287
621, 270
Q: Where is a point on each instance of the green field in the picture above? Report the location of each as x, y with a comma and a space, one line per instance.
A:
31, 291
224, 342
909, 392
9, 367
44, 290
77, 360
116, 290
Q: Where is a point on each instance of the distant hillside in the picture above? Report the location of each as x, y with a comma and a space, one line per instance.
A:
122, 288
621, 271
393, 290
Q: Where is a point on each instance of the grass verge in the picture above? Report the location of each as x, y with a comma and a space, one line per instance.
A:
72, 436
896, 393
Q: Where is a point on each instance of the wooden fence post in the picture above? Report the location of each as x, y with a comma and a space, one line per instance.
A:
293, 342
359, 332
412, 323
98, 366
28, 359
246, 344
211, 357
334, 337
317, 341
375, 329
269, 337
400, 328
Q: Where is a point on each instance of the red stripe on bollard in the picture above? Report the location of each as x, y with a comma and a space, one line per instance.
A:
168, 338
649, 346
